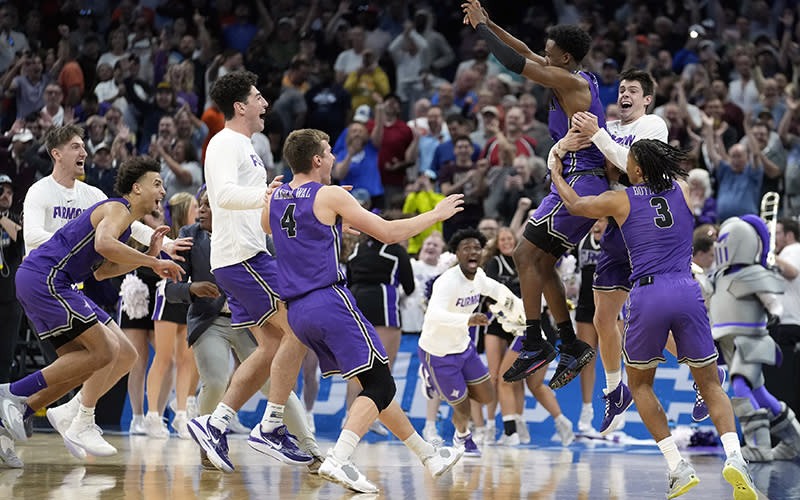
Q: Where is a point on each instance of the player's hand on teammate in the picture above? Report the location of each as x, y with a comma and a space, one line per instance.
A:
156, 240
275, 184
204, 289
478, 319
555, 164
449, 206
585, 123
168, 269
474, 14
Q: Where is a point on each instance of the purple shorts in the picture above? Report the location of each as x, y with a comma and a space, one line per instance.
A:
56, 307
249, 287
329, 323
552, 228
672, 302
613, 269
451, 374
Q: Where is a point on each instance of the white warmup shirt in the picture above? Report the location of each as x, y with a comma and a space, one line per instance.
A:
791, 296
453, 300
49, 206
237, 182
616, 142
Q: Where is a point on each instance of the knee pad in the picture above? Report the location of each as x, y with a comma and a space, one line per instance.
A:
378, 385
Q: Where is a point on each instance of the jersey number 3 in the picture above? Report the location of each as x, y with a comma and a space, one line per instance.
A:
664, 219
288, 223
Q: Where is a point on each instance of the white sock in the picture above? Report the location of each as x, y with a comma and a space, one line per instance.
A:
613, 379
222, 416
587, 410
564, 420
463, 434
180, 413
430, 425
345, 445
670, 451
419, 446
730, 442
273, 417
85, 414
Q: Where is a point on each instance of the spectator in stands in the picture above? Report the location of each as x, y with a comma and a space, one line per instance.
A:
408, 53
181, 77
350, 60
427, 142
524, 145
468, 177
328, 103
457, 125
190, 127
480, 55
395, 151
102, 173
229, 61
20, 162
738, 179
118, 48
12, 42
438, 53
445, 99
745, 89
97, 134
239, 34
767, 156
715, 111
11, 252
770, 100
357, 155
368, 83
26, 81
152, 113
704, 205
421, 198
533, 128
53, 112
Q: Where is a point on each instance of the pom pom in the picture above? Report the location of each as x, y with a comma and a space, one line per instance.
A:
135, 297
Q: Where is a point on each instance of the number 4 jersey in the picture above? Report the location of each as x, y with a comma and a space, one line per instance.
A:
307, 250
658, 231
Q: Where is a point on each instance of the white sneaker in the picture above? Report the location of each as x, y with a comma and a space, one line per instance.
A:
8, 454
88, 436
12, 408
237, 427
508, 440
192, 409
585, 421
489, 433
155, 427
137, 426
346, 474
565, 433
442, 460
179, 425
522, 430
431, 435
61, 418
312, 427
378, 428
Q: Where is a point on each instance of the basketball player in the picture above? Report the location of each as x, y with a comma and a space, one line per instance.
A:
552, 231
64, 315
655, 218
246, 273
307, 217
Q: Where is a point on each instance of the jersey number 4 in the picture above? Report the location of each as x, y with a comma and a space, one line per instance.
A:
288, 223
664, 219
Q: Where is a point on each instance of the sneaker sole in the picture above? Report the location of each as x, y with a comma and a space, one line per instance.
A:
95, 453
266, 449
570, 374
75, 450
452, 464
741, 486
343, 484
694, 481
211, 453
551, 355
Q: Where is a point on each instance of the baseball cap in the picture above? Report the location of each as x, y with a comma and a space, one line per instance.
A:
164, 86
23, 135
491, 110
642, 39
4, 179
363, 114
610, 62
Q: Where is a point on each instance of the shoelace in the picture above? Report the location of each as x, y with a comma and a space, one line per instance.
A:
697, 397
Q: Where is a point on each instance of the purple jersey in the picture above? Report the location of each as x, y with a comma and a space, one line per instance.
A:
70, 254
307, 250
588, 158
658, 231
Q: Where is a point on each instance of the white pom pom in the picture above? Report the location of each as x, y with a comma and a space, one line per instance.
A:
135, 297
682, 435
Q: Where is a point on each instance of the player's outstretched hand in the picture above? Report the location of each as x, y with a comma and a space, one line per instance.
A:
168, 269
172, 248
204, 289
275, 184
449, 206
474, 13
157, 239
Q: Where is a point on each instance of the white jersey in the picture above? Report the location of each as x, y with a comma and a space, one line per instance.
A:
49, 206
237, 182
623, 136
453, 300
791, 297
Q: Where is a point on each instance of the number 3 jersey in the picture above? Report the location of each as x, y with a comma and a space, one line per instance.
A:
307, 250
658, 231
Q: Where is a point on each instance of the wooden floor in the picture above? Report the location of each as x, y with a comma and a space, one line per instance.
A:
170, 470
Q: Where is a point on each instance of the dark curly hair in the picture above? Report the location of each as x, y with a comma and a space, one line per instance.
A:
463, 234
231, 88
660, 163
643, 77
571, 39
132, 170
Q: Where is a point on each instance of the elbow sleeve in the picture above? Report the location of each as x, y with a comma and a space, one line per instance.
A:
507, 56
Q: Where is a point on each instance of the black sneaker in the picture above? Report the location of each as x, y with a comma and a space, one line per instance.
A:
574, 357
529, 361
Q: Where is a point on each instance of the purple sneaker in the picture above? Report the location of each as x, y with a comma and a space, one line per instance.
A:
278, 444
466, 445
212, 441
700, 410
617, 401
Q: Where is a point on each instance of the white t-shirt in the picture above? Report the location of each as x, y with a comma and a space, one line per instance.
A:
412, 310
623, 136
237, 182
453, 300
791, 296
348, 61
49, 206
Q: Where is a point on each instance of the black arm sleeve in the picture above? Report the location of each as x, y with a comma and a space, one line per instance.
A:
507, 56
